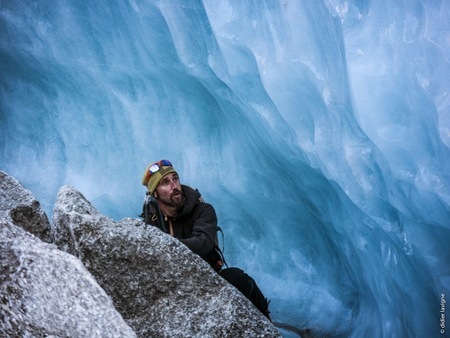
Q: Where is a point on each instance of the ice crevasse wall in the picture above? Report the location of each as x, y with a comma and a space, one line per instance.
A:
319, 130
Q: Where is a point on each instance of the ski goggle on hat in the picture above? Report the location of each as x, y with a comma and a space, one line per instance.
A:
155, 172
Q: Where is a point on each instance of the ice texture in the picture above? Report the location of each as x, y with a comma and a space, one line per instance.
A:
319, 130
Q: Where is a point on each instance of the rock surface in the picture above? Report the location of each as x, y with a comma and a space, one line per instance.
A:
20, 206
159, 286
107, 278
45, 292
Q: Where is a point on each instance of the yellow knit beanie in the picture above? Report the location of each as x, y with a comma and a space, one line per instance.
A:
151, 179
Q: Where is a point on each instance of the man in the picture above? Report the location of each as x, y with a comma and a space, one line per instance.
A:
180, 211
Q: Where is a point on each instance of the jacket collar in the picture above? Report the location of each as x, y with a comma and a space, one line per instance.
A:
191, 198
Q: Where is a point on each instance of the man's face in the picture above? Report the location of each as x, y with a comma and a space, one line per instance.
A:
169, 191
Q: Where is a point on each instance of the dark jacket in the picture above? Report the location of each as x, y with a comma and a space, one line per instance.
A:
195, 225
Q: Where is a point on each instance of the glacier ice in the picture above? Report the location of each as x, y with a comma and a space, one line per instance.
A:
319, 130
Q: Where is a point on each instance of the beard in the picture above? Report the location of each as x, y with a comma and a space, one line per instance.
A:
175, 200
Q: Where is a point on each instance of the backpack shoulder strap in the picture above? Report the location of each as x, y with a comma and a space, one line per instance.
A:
152, 213
223, 246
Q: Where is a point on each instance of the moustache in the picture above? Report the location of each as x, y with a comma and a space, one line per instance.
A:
176, 192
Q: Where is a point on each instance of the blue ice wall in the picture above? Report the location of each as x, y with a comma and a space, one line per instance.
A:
320, 131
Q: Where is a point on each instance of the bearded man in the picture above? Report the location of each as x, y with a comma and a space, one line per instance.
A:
180, 211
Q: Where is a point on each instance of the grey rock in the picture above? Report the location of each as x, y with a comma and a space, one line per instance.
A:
159, 286
18, 205
45, 292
